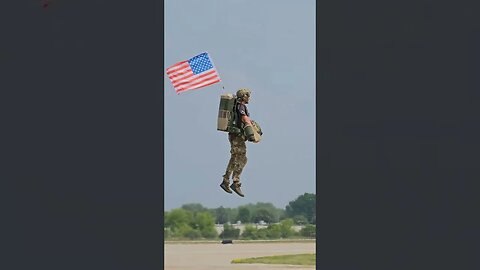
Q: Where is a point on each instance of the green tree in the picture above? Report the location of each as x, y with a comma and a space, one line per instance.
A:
286, 228
243, 215
167, 233
229, 232
274, 231
300, 220
221, 215
194, 207
182, 223
204, 222
181, 230
209, 233
308, 231
193, 234
176, 217
250, 233
232, 214
262, 233
303, 205
263, 214
275, 213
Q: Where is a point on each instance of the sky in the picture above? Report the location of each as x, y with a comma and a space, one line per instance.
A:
267, 46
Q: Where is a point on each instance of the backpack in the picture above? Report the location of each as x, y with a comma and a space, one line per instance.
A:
226, 121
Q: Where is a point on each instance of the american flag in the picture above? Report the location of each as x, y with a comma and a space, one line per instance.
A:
193, 73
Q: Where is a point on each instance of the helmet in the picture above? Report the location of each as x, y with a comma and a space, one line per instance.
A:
243, 94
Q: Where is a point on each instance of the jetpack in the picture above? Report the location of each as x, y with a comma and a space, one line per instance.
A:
227, 118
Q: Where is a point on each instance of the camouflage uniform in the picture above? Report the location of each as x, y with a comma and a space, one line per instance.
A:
238, 158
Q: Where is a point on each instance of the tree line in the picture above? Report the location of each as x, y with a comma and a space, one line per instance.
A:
194, 221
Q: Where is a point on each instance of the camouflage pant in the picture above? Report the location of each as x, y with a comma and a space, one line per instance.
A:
238, 158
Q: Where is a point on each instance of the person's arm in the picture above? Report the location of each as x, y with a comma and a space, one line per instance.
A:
243, 114
248, 125
246, 120
242, 110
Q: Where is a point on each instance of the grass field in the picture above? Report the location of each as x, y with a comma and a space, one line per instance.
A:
296, 259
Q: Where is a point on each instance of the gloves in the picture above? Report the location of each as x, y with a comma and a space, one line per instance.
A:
257, 128
249, 133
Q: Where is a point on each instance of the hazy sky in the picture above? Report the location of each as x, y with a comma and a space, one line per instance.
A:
269, 47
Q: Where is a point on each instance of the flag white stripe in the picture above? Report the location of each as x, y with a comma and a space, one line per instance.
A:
200, 81
182, 78
177, 66
199, 85
180, 73
189, 78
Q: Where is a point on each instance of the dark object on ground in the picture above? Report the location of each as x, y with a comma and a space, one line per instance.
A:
226, 241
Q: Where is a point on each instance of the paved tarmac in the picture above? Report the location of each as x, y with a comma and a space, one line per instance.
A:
212, 256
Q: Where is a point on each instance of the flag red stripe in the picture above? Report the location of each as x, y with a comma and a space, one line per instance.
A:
177, 79
184, 79
198, 86
177, 66
179, 72
195, 83
206, 83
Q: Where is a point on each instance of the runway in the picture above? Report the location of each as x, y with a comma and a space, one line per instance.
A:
210, 256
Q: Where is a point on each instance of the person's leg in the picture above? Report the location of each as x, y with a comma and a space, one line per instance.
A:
239, 163
230, 166
237, 156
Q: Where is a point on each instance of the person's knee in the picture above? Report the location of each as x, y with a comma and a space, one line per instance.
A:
241, 161
236, 157
238, 152
241, 151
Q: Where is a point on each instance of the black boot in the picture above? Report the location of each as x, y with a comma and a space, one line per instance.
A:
224, 185
235, 186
